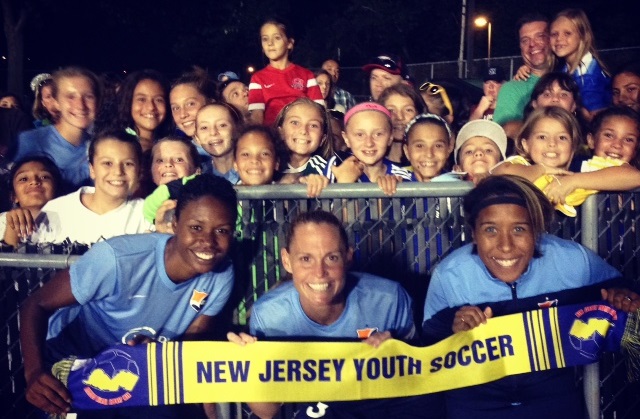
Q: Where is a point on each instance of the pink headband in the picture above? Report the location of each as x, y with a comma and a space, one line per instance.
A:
365, 106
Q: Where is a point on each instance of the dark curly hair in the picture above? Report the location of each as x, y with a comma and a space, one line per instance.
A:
208, 185
123, 118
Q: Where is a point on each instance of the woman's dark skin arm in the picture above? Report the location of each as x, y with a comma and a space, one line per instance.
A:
44, 390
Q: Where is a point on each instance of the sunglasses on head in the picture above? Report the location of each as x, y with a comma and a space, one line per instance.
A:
431, 88
435, 89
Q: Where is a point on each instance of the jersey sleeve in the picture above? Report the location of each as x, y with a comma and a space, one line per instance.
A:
256, 325
438, 315
94, 275
598, 269
313, 90
256, 96
436, 296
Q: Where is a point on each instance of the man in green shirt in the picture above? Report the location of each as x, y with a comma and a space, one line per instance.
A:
533, 31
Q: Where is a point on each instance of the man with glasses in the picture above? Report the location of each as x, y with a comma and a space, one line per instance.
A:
536, 53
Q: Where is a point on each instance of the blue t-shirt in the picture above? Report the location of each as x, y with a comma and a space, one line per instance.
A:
373, 303
123, 290
73, 161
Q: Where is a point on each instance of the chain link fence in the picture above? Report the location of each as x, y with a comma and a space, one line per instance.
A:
401, 238
354, 80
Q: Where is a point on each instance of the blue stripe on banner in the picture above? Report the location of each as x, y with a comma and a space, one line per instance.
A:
160, 374
180, 374
527, 331
534, 339
534, 343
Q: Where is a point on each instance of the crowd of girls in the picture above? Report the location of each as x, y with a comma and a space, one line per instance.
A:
195, 125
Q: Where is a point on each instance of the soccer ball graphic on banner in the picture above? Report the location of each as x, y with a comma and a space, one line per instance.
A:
114, 371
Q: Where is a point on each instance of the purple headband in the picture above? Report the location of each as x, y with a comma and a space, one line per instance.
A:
365, 106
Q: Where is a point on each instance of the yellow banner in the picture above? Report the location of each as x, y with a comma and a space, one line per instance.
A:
349, 371
196, 372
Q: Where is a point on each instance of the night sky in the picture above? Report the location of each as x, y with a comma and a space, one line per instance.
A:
125, 35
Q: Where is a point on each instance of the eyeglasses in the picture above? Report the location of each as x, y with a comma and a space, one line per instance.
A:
434, 89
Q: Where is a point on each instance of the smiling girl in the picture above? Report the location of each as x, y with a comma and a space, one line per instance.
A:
34, 182
282, 81
106, 210
142, 106
571, 39
626, 86
303, 128
172, 158
404, 103
257, 156
428, 145
190, 92
77, 97
368, 134
546, 144
43, 110
615, 141
323, 300
217, 127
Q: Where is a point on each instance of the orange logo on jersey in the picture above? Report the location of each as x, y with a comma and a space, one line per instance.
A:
365, 333
548, 304
198, 298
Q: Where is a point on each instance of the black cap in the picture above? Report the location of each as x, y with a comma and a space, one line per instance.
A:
494, 73
392, 64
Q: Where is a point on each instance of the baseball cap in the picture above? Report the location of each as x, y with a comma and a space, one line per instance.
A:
494, 73
390, 63
228, 75
366, 106
481, 128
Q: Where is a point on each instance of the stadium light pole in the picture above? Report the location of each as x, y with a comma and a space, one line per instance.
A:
481, 22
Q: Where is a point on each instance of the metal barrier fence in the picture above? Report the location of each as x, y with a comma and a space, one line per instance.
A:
402, 238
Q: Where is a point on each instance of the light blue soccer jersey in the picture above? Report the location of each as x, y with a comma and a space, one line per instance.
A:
123, 290
373, 304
